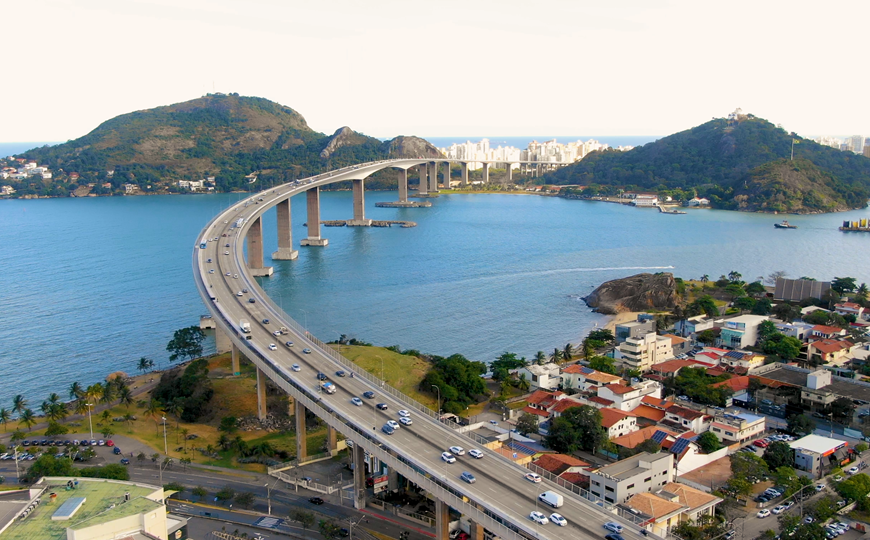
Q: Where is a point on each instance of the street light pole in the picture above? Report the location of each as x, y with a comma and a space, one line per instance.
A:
90, 423
439, 401
165, 447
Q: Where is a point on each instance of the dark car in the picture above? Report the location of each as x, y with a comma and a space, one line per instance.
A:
340, 373
251, 301
343, 532
321, 376
369, 395
116, 451
382, 406
265, 321
613, 537
316, 500
388, 429
125, 461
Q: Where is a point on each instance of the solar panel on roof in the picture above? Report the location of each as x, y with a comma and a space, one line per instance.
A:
68, 508
734, 354
659, 436
680, 445
586, 371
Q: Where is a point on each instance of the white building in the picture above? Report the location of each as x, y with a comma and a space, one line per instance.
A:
644, 472
545, 377
643, 353
627, 398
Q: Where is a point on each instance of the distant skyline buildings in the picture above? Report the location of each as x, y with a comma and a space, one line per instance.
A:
855, 143
550, 151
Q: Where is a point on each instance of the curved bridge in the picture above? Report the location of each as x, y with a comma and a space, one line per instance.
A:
499, 501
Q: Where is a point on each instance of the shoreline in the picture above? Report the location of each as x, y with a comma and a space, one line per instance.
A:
619, 318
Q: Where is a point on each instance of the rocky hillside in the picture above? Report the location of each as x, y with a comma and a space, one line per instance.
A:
224, 136
739, 163
641, 292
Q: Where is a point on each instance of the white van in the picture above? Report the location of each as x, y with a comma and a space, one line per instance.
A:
553, 499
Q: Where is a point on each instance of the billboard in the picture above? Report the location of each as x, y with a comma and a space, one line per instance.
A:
380, 483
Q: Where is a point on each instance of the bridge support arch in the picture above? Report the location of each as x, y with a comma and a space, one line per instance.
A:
255, 250
285, 233
446, 175
313, 206
510, 174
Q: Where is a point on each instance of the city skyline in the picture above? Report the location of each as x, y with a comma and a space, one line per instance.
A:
562, 68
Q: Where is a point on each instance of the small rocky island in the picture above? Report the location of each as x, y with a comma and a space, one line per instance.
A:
641, 292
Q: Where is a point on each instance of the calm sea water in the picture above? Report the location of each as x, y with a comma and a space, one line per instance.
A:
91, 285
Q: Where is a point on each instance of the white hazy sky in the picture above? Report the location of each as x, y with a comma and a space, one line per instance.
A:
442, 67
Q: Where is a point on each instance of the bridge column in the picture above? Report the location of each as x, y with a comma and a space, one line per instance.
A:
301, 440
510, 173
403, 185
359, 477
446, 175
331, 440
222, 341
255, 250
261, 395
314, 238
464, 182
476, 530
538, 170
423, 189
433, 177
359, 206
236, 370
285, 234
486, 173
442, 520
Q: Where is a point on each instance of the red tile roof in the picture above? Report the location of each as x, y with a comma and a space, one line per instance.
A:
573, 368
620, 389
828, 346
673, 366
822, 329
575, 478
737, 384
539, 396
682, 412
636, 437
661, 403
650, 413
675, 340
537, 412
559, 463
564, 405
600, 400
610, 417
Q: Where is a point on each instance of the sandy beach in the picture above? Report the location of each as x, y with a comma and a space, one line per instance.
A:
620, 318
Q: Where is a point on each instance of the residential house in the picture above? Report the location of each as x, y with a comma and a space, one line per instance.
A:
541, 403
631, 440
742, 359
559, 464
739, 387
740, 332
642, 353
679, 345
617, 422
849, 308
634, 329
584, 379
644, 472
827, 332
672, 367
830, 351
6, 190
626, 398
698, 201
673, 504
799, 330
737, 428
545, 377
693, 325
685, 419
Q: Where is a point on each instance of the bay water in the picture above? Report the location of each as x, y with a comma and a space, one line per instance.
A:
88, 286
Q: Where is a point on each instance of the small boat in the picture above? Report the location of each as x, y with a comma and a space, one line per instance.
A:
784, 225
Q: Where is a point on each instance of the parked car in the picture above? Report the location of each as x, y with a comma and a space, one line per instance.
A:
778, 510
763, 513
853, 470
316, 500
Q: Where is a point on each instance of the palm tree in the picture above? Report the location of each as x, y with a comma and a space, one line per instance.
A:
76, 391
704, 279
27, 418
861, 293
19, 403
5, 417
126, 396
53, 398
523, 383
144, 364
568, 352
153, 410
81, 406
176, 410
56, 411
556, 356
129, 419
94, 392
106, 416
540, 358
184, 432
108, 393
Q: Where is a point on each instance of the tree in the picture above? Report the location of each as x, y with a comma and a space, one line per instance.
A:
226, 494
19, 403
107, 432
568, 352
304, 518
856, 487
734, 276
55, 429
705, 305
756, 289
27, 418
578, 427
199, 491
605, 364
707, 337
5, 417
245, 499
788, 348
762, 307
126, 396
556, 356
842, 410
76, 391
861, 293
527, 423
800, 423
649, 446
747, 465
735, 290
540, 358
328, 529
745, 303
144, 364
186, 343
773, 276
523, 383
786, 312
708, 442
843, 285
229, 424
778, 454
601, 334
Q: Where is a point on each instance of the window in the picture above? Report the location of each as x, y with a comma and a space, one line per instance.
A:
647, 479
608, 499
629, 486
608, 488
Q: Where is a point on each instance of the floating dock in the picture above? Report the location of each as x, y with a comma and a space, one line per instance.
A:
862, 225
399, 204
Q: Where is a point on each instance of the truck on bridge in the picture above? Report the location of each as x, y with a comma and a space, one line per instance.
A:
328, 387
245, 326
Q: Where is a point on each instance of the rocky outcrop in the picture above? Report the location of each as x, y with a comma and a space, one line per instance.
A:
410, 147
643, 292
342, 137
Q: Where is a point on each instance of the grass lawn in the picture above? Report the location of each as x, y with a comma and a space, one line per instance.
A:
400, 371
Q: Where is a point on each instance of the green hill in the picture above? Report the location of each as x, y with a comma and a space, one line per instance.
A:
739, 163
224, 136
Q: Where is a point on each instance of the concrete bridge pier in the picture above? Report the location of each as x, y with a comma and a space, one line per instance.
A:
222, 341
538, 170
403, 185
423, 188
510, 174
359, 206
476, 530
236, 368
285, 234
433, 177
446, 175
486, 173
301, 440
464, 182
255, 250
331, 440
261, 394
314, 238
442, 520
359, 477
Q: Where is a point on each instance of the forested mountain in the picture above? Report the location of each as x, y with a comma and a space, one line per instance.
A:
741, 163
224, 136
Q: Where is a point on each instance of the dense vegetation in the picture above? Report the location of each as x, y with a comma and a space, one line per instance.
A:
458, 381
188, 392
739, 164
224, 136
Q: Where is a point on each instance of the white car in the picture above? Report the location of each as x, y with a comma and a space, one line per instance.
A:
393, 424
475, 453
558, 520
612, 526
779, 509
295, 367
457, 450
403, 412
853, 470
211, 271
448, 457
405, 421
356, 401
276, 333
272, 347
239, 293
763, 513
534, 477
538, 518
820, 487
226, 252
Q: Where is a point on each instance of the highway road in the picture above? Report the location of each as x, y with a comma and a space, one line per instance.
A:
500, 489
